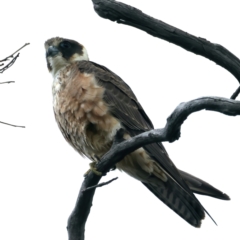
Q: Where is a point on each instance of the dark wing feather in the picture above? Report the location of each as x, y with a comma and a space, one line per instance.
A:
125, 106
128, 110
123, 101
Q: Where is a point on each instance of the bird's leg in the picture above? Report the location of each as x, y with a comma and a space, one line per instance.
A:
93, 167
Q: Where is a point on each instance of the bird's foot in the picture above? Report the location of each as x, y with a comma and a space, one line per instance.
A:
93, 169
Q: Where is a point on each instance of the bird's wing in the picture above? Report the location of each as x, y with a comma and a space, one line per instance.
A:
122, 101
125, 107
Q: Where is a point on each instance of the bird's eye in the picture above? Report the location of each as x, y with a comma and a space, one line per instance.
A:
65, 44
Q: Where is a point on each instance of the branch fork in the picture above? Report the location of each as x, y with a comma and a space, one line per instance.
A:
120, 148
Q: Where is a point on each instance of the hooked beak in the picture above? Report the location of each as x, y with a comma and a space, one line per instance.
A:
52, 51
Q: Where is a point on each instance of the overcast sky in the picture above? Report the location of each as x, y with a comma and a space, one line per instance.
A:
40, 174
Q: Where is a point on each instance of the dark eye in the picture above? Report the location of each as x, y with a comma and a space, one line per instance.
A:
65, 44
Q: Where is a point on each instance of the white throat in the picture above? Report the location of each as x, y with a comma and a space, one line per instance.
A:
58, 62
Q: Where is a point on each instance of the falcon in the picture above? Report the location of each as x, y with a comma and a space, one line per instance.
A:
91, 103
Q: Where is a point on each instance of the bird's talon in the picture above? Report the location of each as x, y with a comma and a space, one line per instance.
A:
93, 169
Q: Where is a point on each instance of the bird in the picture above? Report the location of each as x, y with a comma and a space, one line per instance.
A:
91, 103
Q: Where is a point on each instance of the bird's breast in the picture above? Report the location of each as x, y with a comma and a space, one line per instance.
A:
86, 122
81, 112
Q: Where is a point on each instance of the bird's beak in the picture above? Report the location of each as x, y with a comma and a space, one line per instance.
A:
52, 51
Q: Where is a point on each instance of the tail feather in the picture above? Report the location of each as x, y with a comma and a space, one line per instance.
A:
201, 187
176, 188
185, 205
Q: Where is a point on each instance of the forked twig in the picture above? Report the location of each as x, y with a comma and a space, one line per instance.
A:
14, 58
9, 64
100, 185
11, 56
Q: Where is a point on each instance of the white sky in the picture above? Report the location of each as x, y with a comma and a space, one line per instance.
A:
40, 174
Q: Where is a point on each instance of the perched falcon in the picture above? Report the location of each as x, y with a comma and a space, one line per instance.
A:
91, 103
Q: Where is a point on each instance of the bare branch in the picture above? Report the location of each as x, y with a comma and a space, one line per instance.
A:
9, 64
12, 125
11, 56
14, 58
7, 82
236, 93
101, 184
121, 147
128, 15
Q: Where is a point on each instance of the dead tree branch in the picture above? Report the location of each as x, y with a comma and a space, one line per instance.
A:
12, 55
14, 58
4, 68
125, 14
120, 148
236, 93
9, 64
101, 184
128, 15
12, 125
7, 82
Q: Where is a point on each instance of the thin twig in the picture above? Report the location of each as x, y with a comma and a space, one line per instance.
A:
7, 82
101, 184
12, 125
11, 56
236, 93
9, 64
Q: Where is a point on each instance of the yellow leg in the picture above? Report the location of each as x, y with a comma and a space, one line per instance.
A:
93, 169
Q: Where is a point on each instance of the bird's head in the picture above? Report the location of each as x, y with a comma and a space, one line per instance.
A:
61, 52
